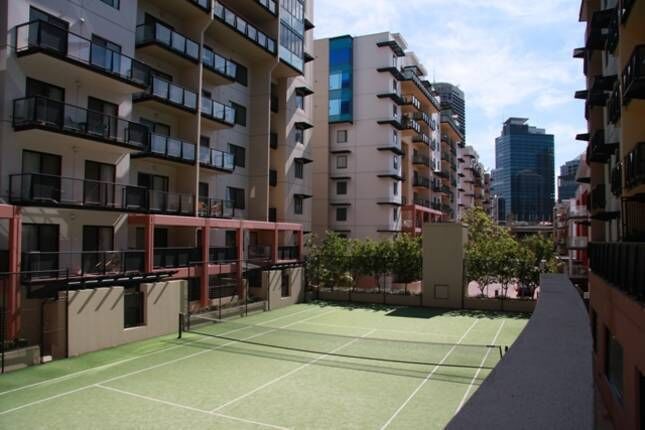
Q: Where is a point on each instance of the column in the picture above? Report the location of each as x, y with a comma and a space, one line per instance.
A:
149, 238
204, 278
13, 293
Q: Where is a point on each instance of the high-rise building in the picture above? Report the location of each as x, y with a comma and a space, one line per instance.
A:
472, 187
524, 183
613, 56
567, 184
377, 143
453, 98
153, 136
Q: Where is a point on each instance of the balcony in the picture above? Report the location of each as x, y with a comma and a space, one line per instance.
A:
259, 252
394, 121
168, 97
412, 101
625, 9
53, 265
422, 202
598, 150
186, 10
420, 159
175, 258
259, 46
166, 203
168, 148
215, 208
614, 106
394, 96
410, 124
418, 88
421, 181
210, 158
286, 253
421, 138
222, 254
219, 115
598, 29
634, 76
617, 179
424, 117
80, 59
159, 41
45, 114
220, 70
620, 264
633, 221
635, 167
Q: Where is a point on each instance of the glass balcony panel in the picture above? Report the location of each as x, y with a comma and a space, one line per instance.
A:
158, 144
174, 148
188, 151
163, 34
178, 42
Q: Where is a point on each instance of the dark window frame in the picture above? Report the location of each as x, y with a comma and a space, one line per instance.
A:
239, 154
237, 196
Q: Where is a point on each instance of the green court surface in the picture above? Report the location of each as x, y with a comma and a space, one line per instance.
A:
321, 365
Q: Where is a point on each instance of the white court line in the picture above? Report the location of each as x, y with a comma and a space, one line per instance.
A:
116, 363
190, 408
427, 378
421, 333
463, 400
136, 372
291, 372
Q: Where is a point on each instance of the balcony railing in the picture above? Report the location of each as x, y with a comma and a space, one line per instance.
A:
222, 254
158, 33
421, 181
218, 64
422, 202
217, 111
614, 106
173, 258
269, 5
216, 208
45, 265
422, 138
171, 203
634, 75
422, 116
40, 112
421, 159
169, 93
412, 101
238, 24
41, 36
635, 167
259, 252
215, 159
168, 147
288, 253
410, 124
621, 264
633, 220
202, 4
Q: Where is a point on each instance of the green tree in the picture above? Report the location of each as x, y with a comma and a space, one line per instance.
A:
407, 265
379, 259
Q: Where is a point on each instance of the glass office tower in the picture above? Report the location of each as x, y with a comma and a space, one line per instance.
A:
524, 177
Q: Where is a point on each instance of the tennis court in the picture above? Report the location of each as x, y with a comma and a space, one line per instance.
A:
305, 366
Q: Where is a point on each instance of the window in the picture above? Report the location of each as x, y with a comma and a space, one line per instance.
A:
44, 170
285, 284
297, 205
395, 188
43, 240
395, 162
341, 162
239, 154
341, 214
240, 114
299, 169
395, 214
153, 182
39, 15
154, 127
241, 75
300, 102
103, 54
133, 300
236, 195
395, 111
99, 187
97, 240
341, 136
341, 188
299, 135
396, 137
254, 278
43, 89
273, 177
113, 3
395, 85
102, 117
614, 364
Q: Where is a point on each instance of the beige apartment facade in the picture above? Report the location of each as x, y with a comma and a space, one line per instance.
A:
376, 144
170, 138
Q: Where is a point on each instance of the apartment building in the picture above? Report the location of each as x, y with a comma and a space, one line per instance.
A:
471, 186
165, 138
453, 98
449, 181
377, 142
614, 58
567, 184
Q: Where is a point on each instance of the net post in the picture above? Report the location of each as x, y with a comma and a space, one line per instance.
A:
180, 326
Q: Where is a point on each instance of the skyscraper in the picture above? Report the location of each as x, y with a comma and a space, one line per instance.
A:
524, 181
567, 184
453, 98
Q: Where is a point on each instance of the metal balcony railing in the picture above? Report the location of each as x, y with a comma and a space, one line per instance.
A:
635, 167
222, 254
203, 4
421, 181
620, 264
41, 36
269, 5
420, 159
238, 24
174, 258
169, 93
288, 253
158, 33
216, 208
634, 75
412, 101
259, 252
598, 199
171, 203
41, 112
172, 148
216, 159
46, 265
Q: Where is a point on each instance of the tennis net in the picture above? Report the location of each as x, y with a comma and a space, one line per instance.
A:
366, 347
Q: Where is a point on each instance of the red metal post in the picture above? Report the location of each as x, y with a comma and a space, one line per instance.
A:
276, 238
13, 293
149, 237
204, 296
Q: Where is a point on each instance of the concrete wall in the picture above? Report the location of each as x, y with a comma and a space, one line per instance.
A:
96, 316
490, 304
296, 289
443, 265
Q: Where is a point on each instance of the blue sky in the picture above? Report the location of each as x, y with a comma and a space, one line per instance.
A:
511, 57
